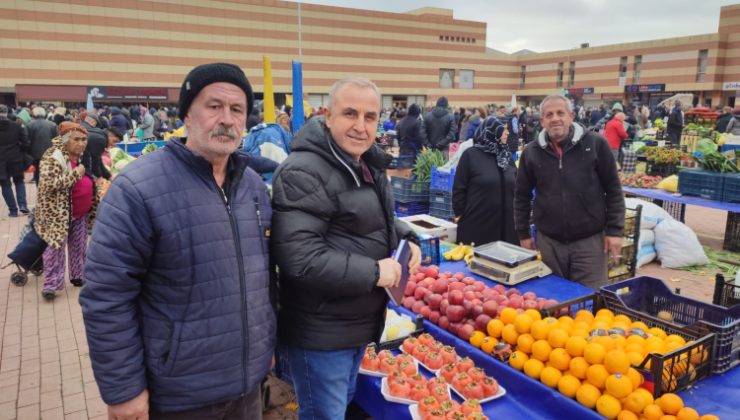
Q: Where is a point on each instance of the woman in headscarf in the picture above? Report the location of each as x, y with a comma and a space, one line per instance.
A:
67, 200
483, 190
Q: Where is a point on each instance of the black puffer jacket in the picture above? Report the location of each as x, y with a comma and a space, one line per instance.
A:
410, 130
97, 142
440, 125
329, 229
577, 195
13, 142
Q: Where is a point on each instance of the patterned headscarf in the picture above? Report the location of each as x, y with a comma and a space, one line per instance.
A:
488, 138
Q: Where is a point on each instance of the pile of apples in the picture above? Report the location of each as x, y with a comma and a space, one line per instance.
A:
460, 304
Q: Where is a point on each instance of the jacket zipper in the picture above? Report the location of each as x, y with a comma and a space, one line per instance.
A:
243, 292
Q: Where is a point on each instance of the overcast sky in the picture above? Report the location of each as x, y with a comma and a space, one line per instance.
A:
545, 25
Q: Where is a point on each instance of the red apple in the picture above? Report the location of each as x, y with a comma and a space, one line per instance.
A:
479, 286
459, 275
416, 307
419, 276
468, 305
503, 304
456, 297
420, 292
500, 288
410, 287
431, 271
550, 302
434, 300
529, 304
448, 274
512, 291
469, 295
453, 327
440, 285
468, 280
455, 313
427, 282
490, 308
465, 331
408, 302
457, 285
443, 322
481, 322
425, 311
530, 296
515, 301
500, 299
443, 305
477, 310
434, 316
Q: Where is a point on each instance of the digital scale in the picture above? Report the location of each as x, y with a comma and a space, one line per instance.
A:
506, 263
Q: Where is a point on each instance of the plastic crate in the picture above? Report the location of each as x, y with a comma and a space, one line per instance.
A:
645, 297
412, 208
661, 169
731, 190
440, 204
669, 372
732, 232
402, 162
726, 293
701, 183
429, 249
442, 181
407, 190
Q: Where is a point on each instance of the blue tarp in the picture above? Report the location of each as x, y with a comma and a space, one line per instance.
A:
683, 199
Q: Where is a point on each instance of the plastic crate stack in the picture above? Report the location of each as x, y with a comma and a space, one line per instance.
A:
411, 196
627, 265
440, 194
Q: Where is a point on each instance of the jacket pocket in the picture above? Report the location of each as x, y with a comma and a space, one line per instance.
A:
169, 356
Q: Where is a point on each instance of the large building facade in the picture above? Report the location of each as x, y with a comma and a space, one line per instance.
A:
140, 50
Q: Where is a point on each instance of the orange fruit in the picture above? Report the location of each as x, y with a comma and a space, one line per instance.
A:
616, 362
524, 343
709, 417
578, 367
668, 417
657, 332
587, 395
494, 328
508, 315
509, 334
550, 376
652, 412
594, 353
540, 329
636, 377
626, 415
675, 338
488, 344
607, 342
605, 312
585, 316
522, 323
596, 375
687, 413
608, 406
557, 337
476, 338
533, 368
635, 358
518, 359
618, 385
670, 403
636, 339
646, 395
635, 402
534, 314
565, 319
541, 350
622, 319
639, 324
560, 359
575, 345
579, 332
568, 385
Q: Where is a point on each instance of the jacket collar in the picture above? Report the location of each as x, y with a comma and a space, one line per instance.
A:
576, 134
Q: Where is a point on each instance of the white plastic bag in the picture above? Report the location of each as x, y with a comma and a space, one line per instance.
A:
678, 246
646, 247
652, 214
454, 159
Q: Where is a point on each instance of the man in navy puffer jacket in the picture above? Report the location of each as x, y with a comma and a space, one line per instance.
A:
176, 302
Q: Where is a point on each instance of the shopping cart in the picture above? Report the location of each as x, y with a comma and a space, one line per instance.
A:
27, 255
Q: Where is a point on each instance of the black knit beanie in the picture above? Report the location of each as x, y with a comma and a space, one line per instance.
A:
204, 75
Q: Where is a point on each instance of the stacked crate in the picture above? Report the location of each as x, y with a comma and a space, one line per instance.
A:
440, 194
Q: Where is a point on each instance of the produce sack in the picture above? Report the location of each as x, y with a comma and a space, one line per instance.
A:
455, 158
678, 246
669, 184
646, 252
652, 214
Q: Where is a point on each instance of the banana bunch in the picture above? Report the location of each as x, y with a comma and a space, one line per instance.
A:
460, 252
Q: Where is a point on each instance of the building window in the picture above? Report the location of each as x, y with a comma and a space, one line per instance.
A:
522, 77
701, 69
560, 76
623, 67
571, 73
473, 40
441, 38
446, 78
636, 70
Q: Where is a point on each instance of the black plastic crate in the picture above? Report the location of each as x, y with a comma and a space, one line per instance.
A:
731, 190
732, 232
430, 251
661, 169
726, 293
407, 190
442, 181
412, 208
670, 372
402, 162
646, 297
440, 204
701, 183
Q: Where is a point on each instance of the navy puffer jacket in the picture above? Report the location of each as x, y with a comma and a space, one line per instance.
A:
177, 293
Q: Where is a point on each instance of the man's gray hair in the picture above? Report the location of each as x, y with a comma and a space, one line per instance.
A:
38, 112
553, 97
359, 82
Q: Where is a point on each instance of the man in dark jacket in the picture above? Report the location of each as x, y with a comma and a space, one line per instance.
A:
579, 204
119, 120
333, 234
723, 119
40, 133
675, 124
13, 144
176, 303
410, 132
97, 142
440, 126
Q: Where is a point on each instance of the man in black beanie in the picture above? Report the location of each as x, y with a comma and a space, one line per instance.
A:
176, 301
411, 133
440, 126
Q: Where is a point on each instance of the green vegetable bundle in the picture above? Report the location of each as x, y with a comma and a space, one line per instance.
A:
424, 162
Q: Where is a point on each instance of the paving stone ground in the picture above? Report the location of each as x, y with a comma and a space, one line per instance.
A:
45, 369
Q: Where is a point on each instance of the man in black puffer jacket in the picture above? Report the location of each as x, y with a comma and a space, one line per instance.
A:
333, 233
440, 126
410, 130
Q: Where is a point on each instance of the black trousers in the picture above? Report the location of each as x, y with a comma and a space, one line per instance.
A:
248, 407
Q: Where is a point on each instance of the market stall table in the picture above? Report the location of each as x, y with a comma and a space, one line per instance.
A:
675, 205
527, 398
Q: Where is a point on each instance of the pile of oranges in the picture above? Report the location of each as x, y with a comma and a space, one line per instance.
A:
573, 356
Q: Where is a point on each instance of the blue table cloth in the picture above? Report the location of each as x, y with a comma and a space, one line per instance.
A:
683, 199
529, 399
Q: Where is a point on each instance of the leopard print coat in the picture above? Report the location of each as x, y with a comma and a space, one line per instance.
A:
54, 206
